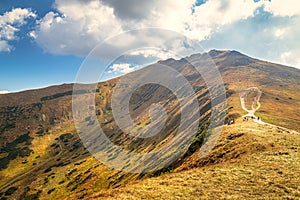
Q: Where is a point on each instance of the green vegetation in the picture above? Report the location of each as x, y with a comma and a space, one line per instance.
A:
14, 151
10, 191
34, 196
248, 161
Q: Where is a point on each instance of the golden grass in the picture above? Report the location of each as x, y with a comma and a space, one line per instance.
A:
250, 161
265, 167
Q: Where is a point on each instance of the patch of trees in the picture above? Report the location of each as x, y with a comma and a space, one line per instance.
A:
7, 125
10, 191
34, 196
68, 93
199, 138
7, 193
14, 151
50, 191
55, 96
65, 136
76, 145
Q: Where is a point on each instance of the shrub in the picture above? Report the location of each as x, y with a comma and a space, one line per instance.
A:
65, 136
50, 191
10, 191
48, 170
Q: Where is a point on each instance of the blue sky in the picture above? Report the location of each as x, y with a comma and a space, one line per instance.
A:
28, 65
44, 43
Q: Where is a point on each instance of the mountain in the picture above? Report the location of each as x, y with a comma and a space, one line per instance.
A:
42, 156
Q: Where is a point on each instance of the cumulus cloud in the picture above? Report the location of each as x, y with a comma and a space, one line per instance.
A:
283, 8
281, 33
154, 53
130, 9
81, 25
4, 46
16, 16
263, 36
122, 68
9, 25
78, 26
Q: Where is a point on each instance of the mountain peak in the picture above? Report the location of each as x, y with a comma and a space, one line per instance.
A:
214, 53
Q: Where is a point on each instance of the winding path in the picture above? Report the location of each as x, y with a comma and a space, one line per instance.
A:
254, 109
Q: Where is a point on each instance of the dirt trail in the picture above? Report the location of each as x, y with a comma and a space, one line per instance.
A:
255, 106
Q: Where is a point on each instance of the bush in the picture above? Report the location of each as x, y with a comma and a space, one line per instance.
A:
33, 196
48, 170
72, 171
66, 136
10, 191
25, 152
50, 191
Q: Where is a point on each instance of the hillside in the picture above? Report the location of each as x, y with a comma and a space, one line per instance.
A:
42, 156
250, 161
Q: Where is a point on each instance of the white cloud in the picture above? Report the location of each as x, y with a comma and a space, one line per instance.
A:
154, 53
8, 32
82, 25
32, 34
4, 92
9, 23
286, 55
212, 15
290, 57
16, 16
122, 68
78, 26
4, 46
280, 33
283, 8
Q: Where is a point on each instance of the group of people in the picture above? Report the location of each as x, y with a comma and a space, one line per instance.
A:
252, 117
231, 121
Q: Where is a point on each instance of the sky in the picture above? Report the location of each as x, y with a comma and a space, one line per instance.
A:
44, 43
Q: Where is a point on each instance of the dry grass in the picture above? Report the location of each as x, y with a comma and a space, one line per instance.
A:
263, 163
249, 161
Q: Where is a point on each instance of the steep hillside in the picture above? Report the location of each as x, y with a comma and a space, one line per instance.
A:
250, 161
41, 155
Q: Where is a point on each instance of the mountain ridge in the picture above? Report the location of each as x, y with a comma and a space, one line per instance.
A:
37, 133
211, 53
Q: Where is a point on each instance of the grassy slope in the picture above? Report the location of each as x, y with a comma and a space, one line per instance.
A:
245, 165
280, 103
262, 162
